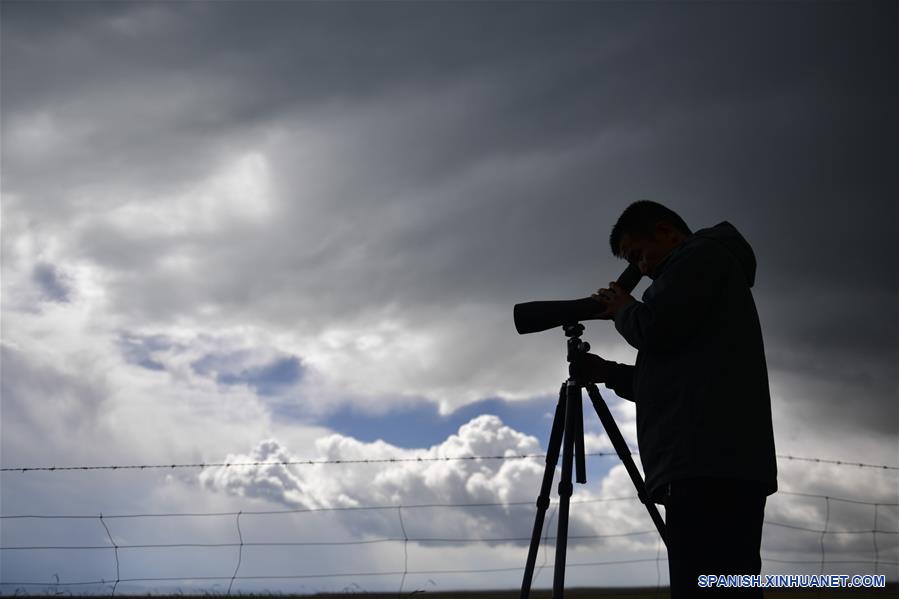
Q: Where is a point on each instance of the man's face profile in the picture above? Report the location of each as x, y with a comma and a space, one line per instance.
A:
647, 252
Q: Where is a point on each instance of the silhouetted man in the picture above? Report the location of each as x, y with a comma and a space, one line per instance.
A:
700, 384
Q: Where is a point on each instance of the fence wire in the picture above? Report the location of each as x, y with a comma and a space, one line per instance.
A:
406, 541
398, 460
881, 538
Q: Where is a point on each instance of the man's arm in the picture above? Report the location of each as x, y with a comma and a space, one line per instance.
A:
621, 380
682, 296
617, 377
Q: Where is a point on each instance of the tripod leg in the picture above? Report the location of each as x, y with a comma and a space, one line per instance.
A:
552, 458
573, 398
624, 453
580, 465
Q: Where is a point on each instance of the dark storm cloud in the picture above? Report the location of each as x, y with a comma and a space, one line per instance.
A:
468, 152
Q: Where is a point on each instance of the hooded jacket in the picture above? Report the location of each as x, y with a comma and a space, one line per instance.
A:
700, 381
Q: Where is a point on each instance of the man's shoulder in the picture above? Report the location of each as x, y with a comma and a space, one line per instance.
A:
721, 246
696, 250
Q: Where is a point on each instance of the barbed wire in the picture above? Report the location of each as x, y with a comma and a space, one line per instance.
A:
826, 532
286, 463
205, 465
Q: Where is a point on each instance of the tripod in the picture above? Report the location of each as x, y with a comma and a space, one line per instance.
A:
569, 421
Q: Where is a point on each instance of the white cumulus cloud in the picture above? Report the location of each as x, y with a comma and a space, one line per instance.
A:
430, 481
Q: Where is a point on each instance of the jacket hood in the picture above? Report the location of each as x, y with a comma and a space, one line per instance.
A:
728, 236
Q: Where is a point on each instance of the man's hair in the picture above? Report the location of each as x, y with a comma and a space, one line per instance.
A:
639, 220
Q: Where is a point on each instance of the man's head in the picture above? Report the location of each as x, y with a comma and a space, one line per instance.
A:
645, 234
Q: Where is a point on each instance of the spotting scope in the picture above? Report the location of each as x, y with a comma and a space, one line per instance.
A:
533, 317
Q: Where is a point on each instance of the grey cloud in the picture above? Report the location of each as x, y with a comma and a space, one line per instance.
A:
266, 370
140, 349
51, 283
269, 378
44, 401
428, 156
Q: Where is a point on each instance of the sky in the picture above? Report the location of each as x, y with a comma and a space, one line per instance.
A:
269, 231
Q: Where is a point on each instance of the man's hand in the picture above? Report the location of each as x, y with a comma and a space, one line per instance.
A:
613, 298
590, 369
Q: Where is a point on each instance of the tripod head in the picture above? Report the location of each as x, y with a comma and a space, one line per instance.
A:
576, 347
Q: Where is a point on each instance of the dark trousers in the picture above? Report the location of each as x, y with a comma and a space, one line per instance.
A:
714, 526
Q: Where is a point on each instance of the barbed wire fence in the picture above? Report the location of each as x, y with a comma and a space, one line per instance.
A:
202, 465
882, 539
